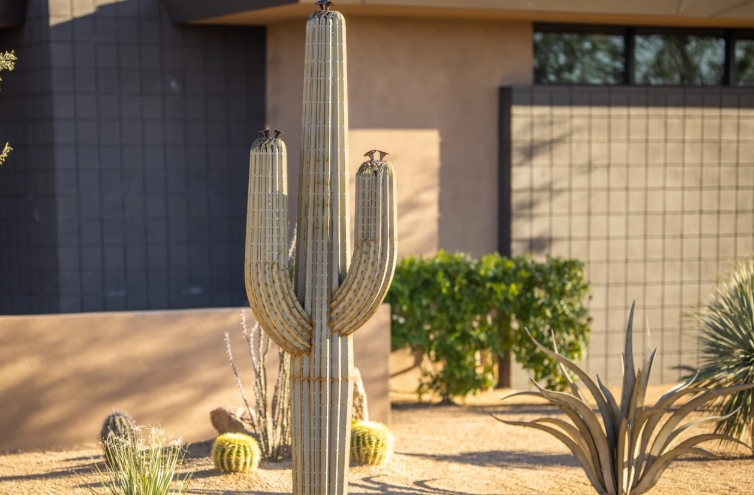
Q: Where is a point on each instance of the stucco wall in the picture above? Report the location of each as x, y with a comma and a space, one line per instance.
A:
60, 375
426, 92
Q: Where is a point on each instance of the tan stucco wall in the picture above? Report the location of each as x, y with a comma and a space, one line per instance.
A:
61, 375
425, 91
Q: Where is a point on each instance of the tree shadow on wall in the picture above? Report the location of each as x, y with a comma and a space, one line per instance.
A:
534, 201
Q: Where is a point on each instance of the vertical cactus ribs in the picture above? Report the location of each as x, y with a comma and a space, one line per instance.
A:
235, 453
332, 294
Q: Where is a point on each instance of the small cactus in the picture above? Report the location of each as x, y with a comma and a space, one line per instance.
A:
235, 453
371, 443
118, 425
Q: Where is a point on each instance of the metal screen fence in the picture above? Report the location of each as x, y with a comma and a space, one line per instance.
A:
652, 187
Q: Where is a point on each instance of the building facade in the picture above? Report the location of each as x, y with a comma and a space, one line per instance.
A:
615, 132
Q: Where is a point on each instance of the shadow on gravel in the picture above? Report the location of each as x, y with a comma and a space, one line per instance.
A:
502, 459
421, 487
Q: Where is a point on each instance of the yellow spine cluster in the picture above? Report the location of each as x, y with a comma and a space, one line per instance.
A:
235, 453
371, 443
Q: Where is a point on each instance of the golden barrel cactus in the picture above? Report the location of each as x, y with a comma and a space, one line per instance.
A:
235, 453
371, 443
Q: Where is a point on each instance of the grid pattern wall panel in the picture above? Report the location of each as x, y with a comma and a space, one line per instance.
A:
28, 211
652, 187
152, 125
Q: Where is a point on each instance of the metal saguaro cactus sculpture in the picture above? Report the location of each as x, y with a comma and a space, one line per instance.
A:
313, 316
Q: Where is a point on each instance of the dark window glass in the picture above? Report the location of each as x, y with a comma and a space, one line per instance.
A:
578, 58
745, 62
679, 59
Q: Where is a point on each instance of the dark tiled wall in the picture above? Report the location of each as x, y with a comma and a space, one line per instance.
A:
28, 210
151, 125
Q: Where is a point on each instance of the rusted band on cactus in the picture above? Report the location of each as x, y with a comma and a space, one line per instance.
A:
321, 379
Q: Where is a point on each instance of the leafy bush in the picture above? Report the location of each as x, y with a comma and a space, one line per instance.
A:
727, 347
456, 309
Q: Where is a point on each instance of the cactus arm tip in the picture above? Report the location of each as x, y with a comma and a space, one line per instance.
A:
374, 258
268, 285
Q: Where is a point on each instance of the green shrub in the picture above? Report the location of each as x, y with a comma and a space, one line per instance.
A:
454, 309
727, 348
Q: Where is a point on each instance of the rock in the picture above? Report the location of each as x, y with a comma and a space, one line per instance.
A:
231, 420
360, 411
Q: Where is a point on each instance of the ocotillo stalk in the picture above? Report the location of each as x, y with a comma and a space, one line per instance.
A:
332, 294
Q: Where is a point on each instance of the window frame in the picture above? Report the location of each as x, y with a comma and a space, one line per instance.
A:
629, 33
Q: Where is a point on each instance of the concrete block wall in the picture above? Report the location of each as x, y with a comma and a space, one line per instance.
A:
127, 188
652, 187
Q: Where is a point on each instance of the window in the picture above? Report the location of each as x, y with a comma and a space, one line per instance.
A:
679, 59
642, 56
744, 63
578, 58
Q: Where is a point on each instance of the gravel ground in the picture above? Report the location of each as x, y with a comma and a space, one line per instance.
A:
440, 450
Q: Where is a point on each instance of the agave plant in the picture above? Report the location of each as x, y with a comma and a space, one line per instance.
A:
628, 451
727, 345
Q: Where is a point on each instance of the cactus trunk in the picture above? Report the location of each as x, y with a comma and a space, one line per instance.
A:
321, 381
332, 294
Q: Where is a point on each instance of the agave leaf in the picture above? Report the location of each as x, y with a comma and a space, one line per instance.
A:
670, 393
580, 455
610, 400
636, 392
527, 392
591, 443
593, 424
653, 415
575, 389
589, 383
652, 476
695, 423
656, 465
629, 373
661, 441
647, 370
637, 454
621, 468
577, 437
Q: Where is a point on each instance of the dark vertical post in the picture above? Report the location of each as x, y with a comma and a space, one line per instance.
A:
504, 171
729, 74
505, 210
629, 52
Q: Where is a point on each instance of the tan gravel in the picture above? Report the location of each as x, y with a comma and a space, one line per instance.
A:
440, 450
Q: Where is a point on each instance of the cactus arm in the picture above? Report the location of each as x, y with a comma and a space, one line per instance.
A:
268, 285
369, 277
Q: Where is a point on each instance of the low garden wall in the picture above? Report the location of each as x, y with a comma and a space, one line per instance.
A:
60, 375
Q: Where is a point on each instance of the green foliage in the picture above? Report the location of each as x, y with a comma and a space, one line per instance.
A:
142, 466
235, 453
7, 62
454, 308
371, 443
627, 444
117, 424
727, 346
